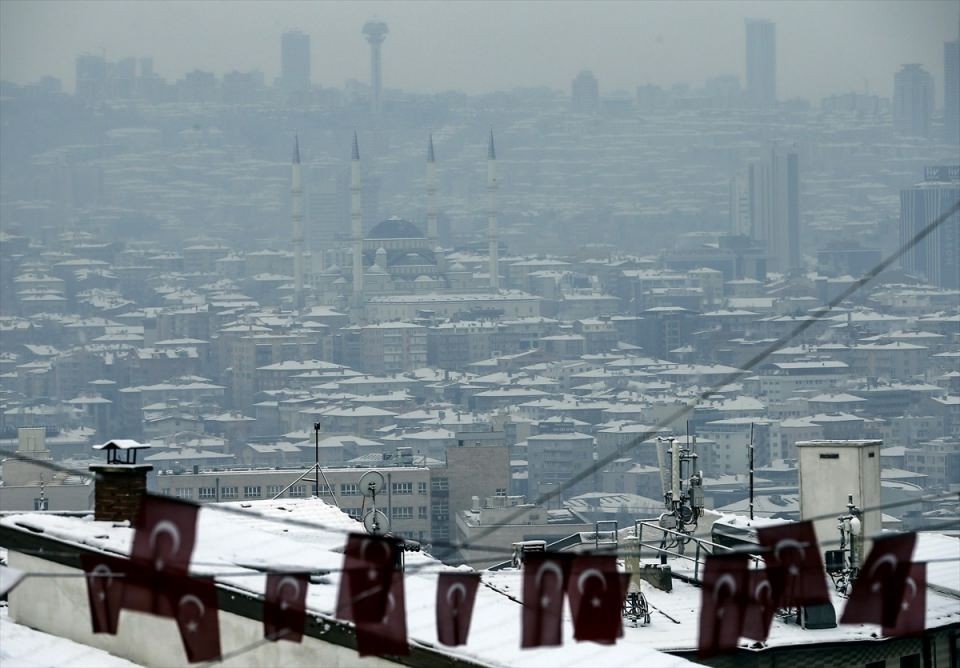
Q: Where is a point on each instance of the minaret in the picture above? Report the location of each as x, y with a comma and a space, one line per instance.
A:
492, 215
356, 223
296, 190
431, 195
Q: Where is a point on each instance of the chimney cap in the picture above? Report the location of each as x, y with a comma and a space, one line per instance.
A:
126, 445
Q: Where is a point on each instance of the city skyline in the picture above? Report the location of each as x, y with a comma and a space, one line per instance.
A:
642, 43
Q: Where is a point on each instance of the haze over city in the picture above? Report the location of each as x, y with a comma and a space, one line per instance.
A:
498, 334
824, 47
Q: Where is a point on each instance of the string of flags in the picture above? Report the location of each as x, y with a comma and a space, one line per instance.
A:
738, 599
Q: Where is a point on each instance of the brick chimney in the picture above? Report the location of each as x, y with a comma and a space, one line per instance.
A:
119, 484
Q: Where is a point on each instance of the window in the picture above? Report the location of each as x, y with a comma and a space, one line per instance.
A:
184, 493
402, 488
422, 513
298, 490
207, 493
273, 490
324, 490
421, 488
232, 492
501, 491
402, 512
166, 491
251, 492
830, 455
439, 484
349, 489
352, 512
41, 504
440, 512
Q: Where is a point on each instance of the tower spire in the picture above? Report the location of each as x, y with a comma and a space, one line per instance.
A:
356, 225
296, 192
431, 194
493, 240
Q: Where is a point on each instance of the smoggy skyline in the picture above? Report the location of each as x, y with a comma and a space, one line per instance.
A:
822, 48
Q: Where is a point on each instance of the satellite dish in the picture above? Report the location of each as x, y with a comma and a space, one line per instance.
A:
371, 483
376, 522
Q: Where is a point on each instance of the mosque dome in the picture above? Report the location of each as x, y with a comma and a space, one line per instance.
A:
395, 228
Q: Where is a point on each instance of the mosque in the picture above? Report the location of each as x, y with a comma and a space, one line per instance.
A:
397, 257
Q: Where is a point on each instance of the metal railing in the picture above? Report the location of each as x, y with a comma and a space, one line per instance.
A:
703, 547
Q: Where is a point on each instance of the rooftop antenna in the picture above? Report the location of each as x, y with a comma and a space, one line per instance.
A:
316, 469
751, 471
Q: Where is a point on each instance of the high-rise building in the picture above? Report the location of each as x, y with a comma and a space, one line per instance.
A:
585, 94
912, 101
937, 257
765, 206
91, 82
761, 63
295, 61
951, 91
375, 31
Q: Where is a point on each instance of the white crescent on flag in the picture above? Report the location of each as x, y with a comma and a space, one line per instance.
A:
888, 558
591, 573
169, 528
285, 581
790, 544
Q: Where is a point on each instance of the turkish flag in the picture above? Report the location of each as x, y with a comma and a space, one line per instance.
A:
878, 589
544, 583
285, 606
760, 607
794, 565
166, 529
456, 594
388, 635
726, 578
105, 577
193, 602
368, 566
912, 608
596, 598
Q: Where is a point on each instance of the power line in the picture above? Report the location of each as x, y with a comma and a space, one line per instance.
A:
732, 377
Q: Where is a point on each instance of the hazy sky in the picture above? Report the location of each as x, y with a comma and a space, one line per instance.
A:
823, 47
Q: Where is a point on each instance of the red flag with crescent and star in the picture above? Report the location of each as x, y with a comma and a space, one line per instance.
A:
544, 584
912, 608
794, 565
595, 590
726, 578
285, 606
194, 604
388, 635
456, 593
760, 608
878, 590
166, 530
368, 566
105, 588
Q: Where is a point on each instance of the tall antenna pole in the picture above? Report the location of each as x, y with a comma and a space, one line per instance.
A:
751, 470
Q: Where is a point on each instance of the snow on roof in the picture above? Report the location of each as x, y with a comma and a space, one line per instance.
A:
237, 542
24, 647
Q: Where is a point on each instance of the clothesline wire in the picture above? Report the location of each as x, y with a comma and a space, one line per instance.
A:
678, 415
456, 545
